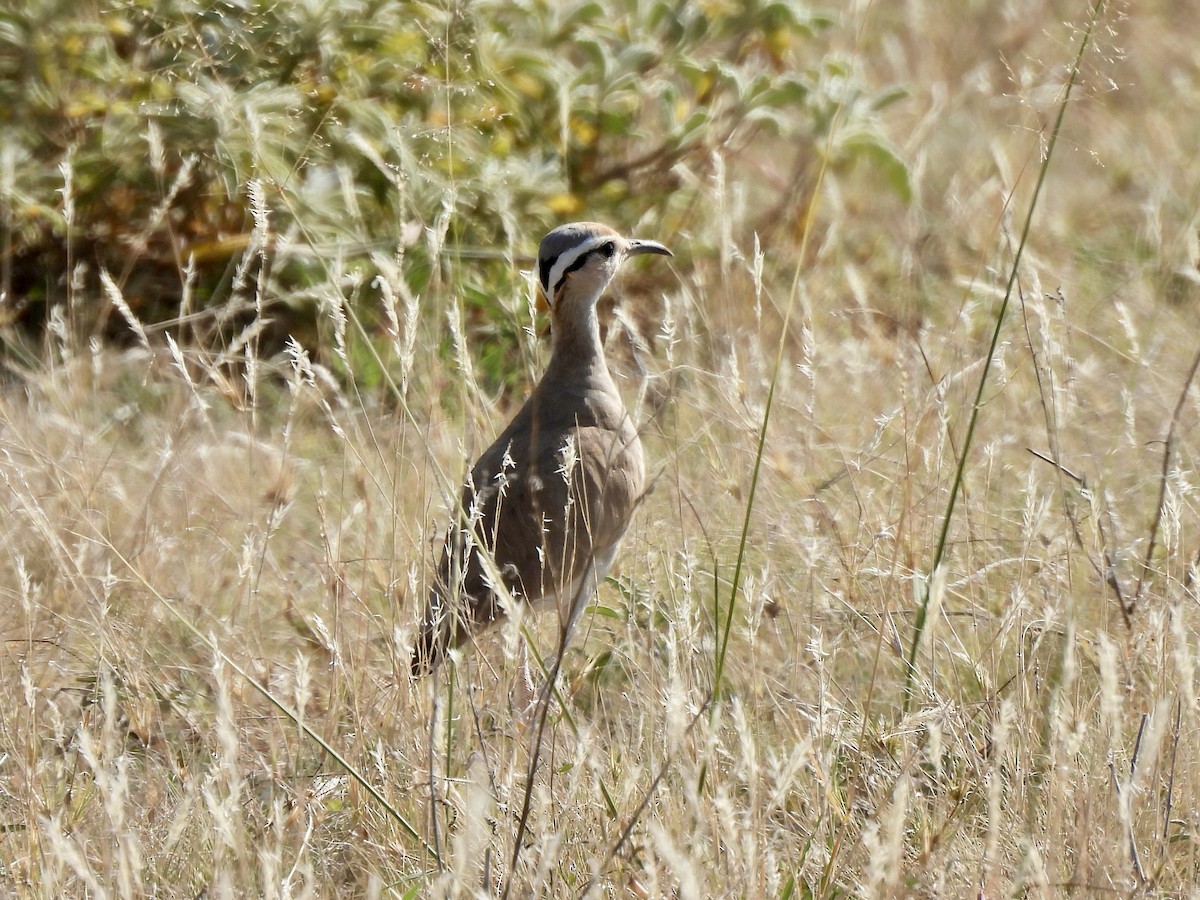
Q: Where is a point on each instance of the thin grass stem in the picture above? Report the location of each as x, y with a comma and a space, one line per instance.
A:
1001, 314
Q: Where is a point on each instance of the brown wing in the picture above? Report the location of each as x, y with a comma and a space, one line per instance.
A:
540, 539
513, 489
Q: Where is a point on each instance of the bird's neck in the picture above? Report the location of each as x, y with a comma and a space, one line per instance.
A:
576, 351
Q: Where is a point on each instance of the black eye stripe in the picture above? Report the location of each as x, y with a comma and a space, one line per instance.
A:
577, 265
606, 250
544, 271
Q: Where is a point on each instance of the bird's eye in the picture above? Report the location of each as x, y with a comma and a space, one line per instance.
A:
607, 249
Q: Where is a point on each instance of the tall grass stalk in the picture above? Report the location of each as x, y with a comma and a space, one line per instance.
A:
1001, 314
726, 627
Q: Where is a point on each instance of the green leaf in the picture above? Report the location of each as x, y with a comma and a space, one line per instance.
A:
883, 157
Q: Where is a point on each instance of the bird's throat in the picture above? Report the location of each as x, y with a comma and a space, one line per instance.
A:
576, 347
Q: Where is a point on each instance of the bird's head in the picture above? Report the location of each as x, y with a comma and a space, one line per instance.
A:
577, 261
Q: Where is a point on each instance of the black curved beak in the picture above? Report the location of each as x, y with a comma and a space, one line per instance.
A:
638, 246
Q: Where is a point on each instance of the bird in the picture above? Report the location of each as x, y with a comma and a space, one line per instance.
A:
544, 509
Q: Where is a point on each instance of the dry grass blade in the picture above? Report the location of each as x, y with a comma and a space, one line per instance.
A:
1168, 450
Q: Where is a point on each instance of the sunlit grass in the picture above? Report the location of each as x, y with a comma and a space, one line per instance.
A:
216, 545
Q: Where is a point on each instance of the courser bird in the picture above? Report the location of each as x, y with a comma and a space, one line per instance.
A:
546, 506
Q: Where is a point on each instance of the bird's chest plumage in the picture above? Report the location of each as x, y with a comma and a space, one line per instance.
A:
584, 448
555, 494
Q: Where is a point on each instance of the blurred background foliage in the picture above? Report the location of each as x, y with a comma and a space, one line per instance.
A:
445, 137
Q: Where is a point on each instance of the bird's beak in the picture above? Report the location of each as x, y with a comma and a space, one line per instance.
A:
637, 246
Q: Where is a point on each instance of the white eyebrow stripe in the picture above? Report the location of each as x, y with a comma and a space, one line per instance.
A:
568, 258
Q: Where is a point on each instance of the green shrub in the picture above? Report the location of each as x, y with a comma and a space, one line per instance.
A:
458, 133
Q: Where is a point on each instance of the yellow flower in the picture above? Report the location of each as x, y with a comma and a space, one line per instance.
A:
564, 203
583, 131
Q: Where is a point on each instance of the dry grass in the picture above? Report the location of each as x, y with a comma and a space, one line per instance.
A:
174, 528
